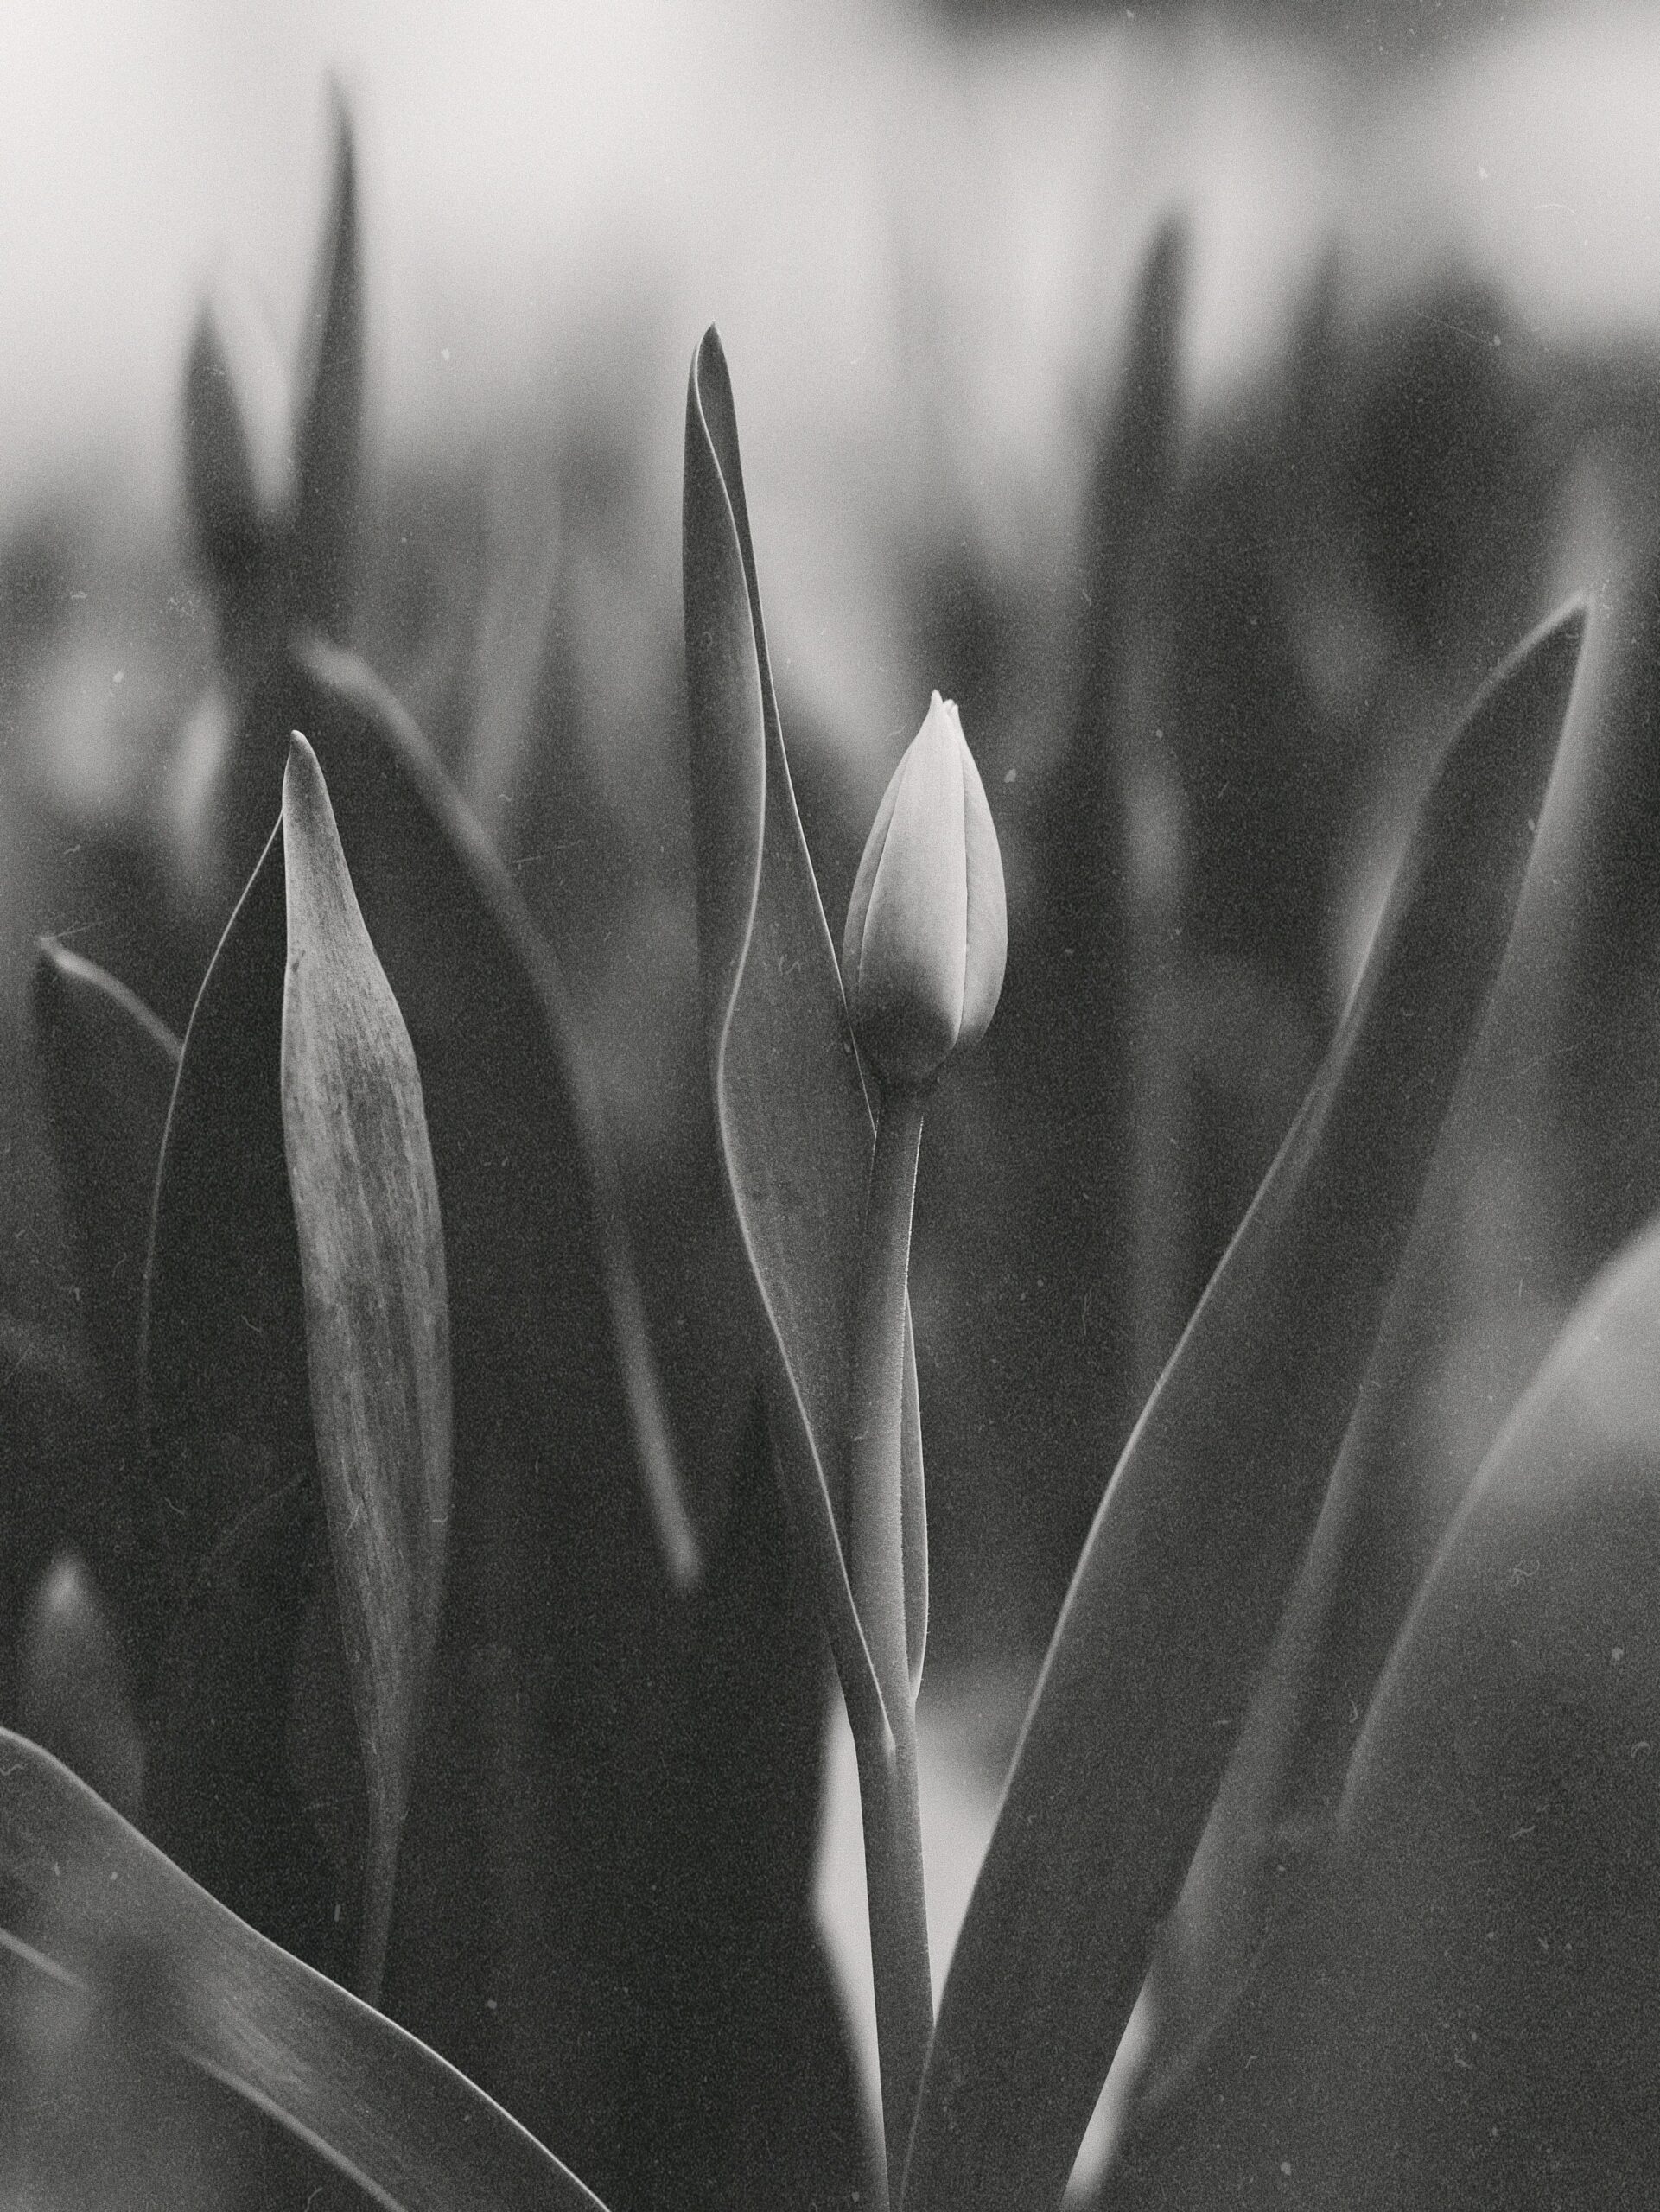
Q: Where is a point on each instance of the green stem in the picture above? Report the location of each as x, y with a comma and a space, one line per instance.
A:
888, 1757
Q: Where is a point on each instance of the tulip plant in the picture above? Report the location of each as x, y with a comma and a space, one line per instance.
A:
424, 1792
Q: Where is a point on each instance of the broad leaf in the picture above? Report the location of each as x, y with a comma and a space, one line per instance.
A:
794, 1125
1464, 2009
1181, 1583
107, 1068
85, 1893
371, 1258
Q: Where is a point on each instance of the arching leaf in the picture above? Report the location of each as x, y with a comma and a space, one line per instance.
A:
107, 1068
383, 2109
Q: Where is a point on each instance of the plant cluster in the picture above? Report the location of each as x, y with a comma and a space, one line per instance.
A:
419, 1794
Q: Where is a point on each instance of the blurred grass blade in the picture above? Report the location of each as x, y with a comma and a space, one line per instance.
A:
372, 1256
794, 1124
381, 2108
1176, 1598
73, 1694
1133, 804
107, 1068
328, 417
222, 494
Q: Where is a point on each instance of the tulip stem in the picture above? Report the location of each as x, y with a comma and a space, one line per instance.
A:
888, 1756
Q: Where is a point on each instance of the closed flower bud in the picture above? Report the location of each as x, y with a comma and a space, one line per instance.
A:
927, 929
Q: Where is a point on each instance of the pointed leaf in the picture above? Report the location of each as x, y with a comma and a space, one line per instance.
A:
383, 2109
569, 1545
226, 1391
372, 1255
514, 1123
1087, 1059
794, 1124
328, 421
222, 496
1180, 1585
228, 1426
107, 1069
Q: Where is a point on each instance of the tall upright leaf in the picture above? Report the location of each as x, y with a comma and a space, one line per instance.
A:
1181, 1586
235, 535
1092, 1049
278, 562
793, 1122
371, 1258
231, 1451
227, 1398
569, 1542
328, 410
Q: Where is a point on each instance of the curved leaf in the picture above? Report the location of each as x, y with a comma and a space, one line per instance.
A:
107, 1069
371, 1257
328, 410
385, 2111
1176, 1598
226, 1394
794, 1123
228, 1425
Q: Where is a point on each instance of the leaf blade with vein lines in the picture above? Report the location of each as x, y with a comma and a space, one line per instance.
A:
371, 1258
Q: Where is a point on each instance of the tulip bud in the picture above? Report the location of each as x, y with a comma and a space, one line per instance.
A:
927, 929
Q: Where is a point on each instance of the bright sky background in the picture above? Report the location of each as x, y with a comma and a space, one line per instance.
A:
784, 166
